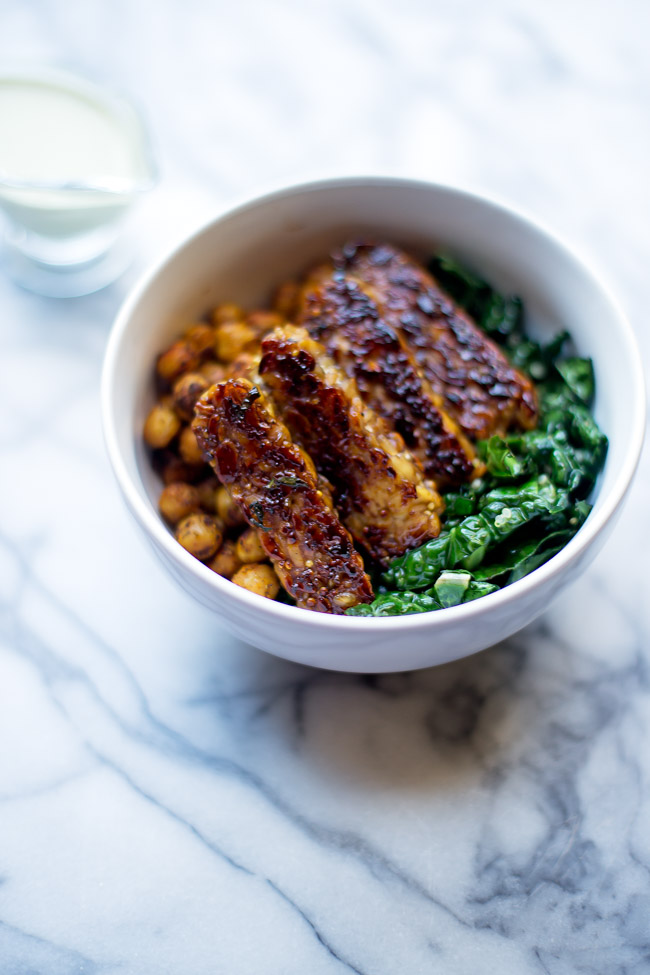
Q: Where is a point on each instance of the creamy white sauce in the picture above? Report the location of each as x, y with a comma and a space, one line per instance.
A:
71, 159
53, 134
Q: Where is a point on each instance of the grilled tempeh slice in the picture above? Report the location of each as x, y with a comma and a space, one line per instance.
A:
275, 484
340, 312
479, 387
380, 491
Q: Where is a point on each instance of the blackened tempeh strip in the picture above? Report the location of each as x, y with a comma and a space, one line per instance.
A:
480, 388
275, 484
339, 312
379, 489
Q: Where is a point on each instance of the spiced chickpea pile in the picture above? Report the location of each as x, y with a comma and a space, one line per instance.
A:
206, 522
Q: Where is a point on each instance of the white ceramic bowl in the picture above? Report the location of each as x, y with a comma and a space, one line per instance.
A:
240, 257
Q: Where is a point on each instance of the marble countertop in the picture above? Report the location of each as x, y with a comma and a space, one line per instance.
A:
173, 801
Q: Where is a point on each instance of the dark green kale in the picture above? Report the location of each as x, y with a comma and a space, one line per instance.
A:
531, 500
501, 462
451, 586
514, 561
578, 374
397, 604
451, 589
502, 511
568, 445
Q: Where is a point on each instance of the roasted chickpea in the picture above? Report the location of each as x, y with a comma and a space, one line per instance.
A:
228, 510
227, 313
249, 547
200, 535
208, 494
225, 561
259, 578
263, 321
200, 338
213, 371
231, 339
177, 501
188, 447
186, 391
172, 468
243, 367
179, 358
161, 426
285, 299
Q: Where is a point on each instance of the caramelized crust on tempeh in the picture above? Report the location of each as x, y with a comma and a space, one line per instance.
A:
340, 312
479, 387
379, 489
275, 484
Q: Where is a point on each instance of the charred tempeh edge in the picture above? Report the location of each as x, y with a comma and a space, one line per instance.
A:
482, 391
380, 491
340, 312
275, 484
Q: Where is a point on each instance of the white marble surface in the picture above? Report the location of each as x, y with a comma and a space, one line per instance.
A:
172, 801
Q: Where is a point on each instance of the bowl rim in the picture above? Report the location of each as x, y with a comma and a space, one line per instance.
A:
282, 612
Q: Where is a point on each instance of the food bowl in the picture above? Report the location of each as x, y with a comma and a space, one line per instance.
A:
240, 257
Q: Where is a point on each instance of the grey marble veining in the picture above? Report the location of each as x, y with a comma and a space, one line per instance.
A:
173, 801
